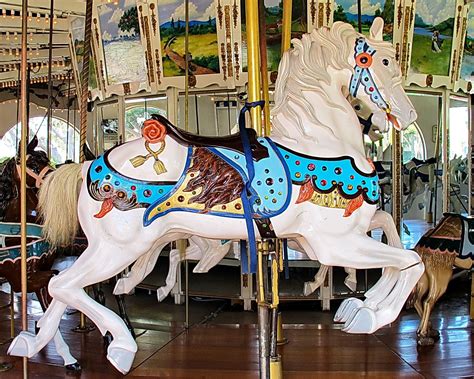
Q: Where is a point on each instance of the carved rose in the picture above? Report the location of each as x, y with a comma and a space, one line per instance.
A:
153, 131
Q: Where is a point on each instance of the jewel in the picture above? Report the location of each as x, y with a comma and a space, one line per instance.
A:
298, 174
133, 188
269, 181
311, 167
323, 182
297, 163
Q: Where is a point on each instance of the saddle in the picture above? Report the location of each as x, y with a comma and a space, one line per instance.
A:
233, 141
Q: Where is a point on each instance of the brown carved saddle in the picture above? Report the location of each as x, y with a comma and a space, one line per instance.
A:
233, 141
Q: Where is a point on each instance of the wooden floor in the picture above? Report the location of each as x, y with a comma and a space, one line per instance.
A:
223, 343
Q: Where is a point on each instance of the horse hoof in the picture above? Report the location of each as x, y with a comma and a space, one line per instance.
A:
434, 334
425, 341
161, 294
120, 358
22, 345
76, 367
346, 308
107, 339
364, 321
307, 290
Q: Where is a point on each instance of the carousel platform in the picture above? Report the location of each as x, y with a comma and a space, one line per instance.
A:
222, 342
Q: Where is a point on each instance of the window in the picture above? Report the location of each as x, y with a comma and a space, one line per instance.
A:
140, 109
64, 139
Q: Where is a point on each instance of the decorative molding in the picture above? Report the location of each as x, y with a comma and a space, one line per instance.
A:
312, 10
219, 13
235, 13
126, 88
224, 64
237, 58
320, 15
154, 21
228, 39
328, 11
158, 65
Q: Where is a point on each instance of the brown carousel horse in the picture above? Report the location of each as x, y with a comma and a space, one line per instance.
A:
40, 257
450, 244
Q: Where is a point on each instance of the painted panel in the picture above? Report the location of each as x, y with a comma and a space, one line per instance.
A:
273, 20
123, 50
433, 37
467, 68
347, 11
203, 45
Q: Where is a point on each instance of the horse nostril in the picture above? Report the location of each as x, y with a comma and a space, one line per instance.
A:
413, 115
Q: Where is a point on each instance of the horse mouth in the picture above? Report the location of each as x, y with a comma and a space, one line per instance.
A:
394, 121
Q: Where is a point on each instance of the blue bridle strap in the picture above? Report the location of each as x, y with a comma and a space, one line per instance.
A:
362, 76
246, 196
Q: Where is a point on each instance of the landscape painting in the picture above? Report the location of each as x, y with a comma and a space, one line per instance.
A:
433, 37
203, 47
273, 21
347, 11
123, 50
77, 33
467, 68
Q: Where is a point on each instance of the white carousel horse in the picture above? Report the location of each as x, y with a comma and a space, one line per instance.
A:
209, 253
203, 189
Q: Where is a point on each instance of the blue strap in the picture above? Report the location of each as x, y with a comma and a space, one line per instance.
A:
246, 196
244, 262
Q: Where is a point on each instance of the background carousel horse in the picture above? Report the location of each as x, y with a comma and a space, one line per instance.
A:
450, 244
40, 256
458, 177
209, 253
309, 177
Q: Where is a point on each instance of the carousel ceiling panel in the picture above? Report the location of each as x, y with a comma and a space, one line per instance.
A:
43, 6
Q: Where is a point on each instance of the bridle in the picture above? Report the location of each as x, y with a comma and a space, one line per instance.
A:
39, 178
363, 55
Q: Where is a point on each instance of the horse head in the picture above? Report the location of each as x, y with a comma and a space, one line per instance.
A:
37, 164
378, 73
323, 68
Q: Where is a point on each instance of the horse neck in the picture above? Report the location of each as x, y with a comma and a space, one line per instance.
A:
12, 211
324, 117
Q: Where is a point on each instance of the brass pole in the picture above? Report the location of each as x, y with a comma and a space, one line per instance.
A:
85, 80
286, 26
182, 243
397, 178
253, 62
23, 143
50, 80
264, 69
84, 93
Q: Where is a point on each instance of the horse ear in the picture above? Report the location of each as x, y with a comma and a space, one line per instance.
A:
32, 145
376, 30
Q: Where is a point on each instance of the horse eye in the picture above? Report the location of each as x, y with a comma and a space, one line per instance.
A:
385, 62
357, 107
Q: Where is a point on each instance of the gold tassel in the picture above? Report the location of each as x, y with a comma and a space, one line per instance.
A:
159, 166
138, 160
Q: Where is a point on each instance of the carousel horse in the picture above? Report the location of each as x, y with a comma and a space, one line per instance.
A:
450, 244
40, 257
458, 182
209, 253
308, 181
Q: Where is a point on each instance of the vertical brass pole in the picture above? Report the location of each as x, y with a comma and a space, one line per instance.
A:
182, 244
397, 179
264, 69
84, 98
50, 80
253, 62
286, 26
445, 151
24, 132
85, 80
12, 314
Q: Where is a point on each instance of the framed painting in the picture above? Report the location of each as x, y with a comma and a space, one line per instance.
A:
117, 30
435, 33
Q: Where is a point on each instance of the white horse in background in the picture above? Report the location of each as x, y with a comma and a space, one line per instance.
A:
314, 130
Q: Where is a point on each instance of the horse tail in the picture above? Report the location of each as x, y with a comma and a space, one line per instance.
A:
57, 204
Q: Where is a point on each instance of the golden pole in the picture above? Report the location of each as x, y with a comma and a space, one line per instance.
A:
397, 179
253, 62
182, 243
23, 143
286, 26
264, 69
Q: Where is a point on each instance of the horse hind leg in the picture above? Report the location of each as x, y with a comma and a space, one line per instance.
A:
310, 287
439, 278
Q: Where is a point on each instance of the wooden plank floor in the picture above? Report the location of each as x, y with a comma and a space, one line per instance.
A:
223, 343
